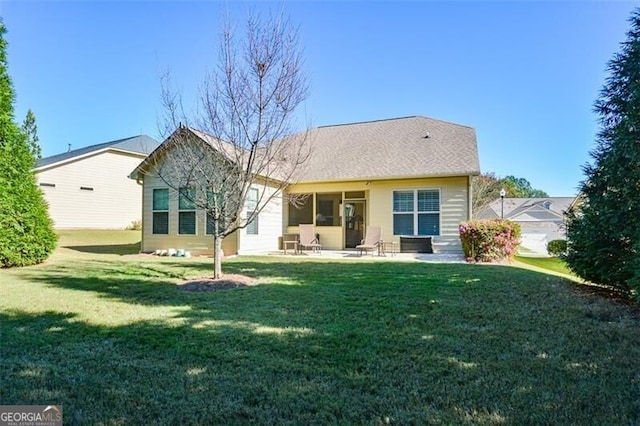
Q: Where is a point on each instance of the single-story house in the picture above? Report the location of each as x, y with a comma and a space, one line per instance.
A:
411, 176
541, 219
90, 187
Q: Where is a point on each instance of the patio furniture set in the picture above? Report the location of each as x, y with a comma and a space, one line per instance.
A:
309, 240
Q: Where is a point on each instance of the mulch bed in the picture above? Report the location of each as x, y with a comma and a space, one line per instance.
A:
227, 282
612, 294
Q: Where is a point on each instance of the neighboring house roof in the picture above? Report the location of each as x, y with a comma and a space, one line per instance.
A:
141, 144
393, 148
528, 209
397, 148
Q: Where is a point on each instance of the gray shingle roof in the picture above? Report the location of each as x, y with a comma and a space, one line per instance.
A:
392, 148
384, 149
141, 144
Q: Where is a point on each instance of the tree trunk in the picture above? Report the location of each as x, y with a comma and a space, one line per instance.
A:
217, 257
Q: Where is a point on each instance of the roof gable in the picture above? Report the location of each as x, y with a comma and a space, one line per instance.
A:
205, 140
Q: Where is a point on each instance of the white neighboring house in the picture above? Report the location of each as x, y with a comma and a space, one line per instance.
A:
89, 187
541, 219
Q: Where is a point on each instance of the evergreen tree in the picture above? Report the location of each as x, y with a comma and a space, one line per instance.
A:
604, 231
26, 233
30, 129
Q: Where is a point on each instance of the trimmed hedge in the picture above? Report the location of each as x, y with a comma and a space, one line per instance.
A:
489, 240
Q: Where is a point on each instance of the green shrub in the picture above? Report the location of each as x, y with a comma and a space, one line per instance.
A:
489, 240
557, 247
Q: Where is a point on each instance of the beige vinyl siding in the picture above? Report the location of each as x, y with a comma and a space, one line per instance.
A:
379, 209
453, 208
269, 226
198, 244
113, 202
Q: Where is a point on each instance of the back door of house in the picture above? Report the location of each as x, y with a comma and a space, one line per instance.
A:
354, 214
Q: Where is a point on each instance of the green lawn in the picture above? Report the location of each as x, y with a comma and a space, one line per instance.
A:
548, 263
110, 338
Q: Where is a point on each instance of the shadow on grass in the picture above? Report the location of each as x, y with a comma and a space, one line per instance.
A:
287, 354
153, 283
120, 249
322, 342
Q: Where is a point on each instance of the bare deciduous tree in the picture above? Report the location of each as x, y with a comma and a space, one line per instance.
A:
244, 138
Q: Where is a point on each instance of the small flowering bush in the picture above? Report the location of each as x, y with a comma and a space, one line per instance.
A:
489, 240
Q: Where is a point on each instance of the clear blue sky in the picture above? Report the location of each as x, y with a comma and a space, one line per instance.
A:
523, 74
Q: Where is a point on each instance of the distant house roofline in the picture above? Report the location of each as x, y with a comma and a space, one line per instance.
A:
513, 207
139, 145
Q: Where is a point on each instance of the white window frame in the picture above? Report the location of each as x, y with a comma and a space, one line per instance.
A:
416, 212
154, 210
253, 228
183, 210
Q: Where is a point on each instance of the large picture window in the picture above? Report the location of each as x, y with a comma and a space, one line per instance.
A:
160, 211
252, 205
186, 211
302, 213
416, 212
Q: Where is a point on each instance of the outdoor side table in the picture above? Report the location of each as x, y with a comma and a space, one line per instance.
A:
388, 247
290, 244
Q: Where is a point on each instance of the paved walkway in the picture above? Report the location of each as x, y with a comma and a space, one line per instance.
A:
405, 257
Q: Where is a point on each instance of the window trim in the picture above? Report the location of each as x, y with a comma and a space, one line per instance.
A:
309, 201
318, 205
417, 212
255, 222
154, 210
190, 210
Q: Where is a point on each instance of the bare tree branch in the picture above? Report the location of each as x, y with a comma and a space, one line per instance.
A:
242, 136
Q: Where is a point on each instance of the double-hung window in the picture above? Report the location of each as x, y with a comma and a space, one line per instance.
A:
252, 205
160, 211
186, 211
416, 212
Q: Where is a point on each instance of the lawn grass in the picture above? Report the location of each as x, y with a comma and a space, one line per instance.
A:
549, 263
111, 338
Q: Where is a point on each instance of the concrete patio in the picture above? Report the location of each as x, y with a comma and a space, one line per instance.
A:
353, 254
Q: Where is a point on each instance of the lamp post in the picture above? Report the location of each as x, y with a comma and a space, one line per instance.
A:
502, 194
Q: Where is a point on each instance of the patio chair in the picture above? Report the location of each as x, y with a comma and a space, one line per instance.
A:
372, 239
308, 238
